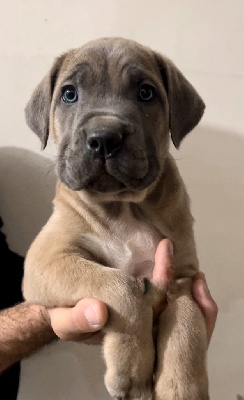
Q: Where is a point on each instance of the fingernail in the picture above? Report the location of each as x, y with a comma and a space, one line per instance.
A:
92, 317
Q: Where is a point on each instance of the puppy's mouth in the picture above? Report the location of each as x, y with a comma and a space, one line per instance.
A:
129, 169
121, 159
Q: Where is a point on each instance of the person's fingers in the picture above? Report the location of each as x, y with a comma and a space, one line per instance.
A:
163, 270
88, 315
205, 301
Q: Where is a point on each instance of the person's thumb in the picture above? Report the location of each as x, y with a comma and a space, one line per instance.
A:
163, 271
88, 315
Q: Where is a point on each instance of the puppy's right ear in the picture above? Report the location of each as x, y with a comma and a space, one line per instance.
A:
38, 108
186, 107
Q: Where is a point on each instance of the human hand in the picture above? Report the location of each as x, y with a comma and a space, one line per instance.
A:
87, 316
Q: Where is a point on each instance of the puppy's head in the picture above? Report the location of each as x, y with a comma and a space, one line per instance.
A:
110, 106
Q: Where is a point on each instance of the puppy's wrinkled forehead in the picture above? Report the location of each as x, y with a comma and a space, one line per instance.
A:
111, 63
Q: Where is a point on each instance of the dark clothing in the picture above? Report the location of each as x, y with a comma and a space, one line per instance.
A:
9, 382
11, 273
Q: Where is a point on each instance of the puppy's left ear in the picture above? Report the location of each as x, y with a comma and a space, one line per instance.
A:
185, 105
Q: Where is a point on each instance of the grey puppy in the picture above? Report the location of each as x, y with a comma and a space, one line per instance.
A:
110, 106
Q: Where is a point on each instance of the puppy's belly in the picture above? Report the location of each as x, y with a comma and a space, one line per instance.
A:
138, 257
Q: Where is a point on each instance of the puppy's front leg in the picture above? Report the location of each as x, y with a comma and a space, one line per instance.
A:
129, 359
181, 348
57, 274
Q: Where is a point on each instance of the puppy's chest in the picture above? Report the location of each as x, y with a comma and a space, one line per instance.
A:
130, 245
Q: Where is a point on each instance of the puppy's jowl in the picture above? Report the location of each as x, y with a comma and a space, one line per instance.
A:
111, 107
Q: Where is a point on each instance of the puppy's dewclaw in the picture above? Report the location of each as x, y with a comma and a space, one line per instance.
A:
112, 106
153, 294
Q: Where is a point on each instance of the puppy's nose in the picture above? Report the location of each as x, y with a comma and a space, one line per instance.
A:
105, 143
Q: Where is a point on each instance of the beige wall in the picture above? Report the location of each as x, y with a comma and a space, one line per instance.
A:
206, 41
204, 38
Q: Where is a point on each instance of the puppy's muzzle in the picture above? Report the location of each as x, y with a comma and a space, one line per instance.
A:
105, 135
108, 154
105, 143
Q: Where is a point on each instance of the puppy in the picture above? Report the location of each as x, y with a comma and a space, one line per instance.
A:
109, 106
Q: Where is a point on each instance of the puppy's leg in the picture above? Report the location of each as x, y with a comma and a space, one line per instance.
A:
181, 348
61, 277
129, 359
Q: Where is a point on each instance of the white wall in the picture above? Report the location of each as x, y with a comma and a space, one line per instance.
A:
206, 41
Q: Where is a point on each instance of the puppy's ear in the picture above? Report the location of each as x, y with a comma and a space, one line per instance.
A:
38, 108
185, 105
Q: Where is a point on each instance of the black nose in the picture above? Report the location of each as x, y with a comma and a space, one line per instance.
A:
105, 144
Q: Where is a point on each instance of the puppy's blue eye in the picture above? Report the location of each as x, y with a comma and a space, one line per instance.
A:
146, 93
69, 94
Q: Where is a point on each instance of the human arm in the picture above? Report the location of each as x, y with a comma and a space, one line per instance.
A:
23, 329
26, 327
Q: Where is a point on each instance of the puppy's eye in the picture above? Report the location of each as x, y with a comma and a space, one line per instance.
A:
146, 93
69, 94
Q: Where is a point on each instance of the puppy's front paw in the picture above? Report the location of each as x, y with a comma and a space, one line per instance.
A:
128, 389
129, 367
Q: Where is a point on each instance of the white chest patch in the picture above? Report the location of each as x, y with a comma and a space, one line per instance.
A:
131, 245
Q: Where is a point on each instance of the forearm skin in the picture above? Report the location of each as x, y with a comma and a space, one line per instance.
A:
24, 329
